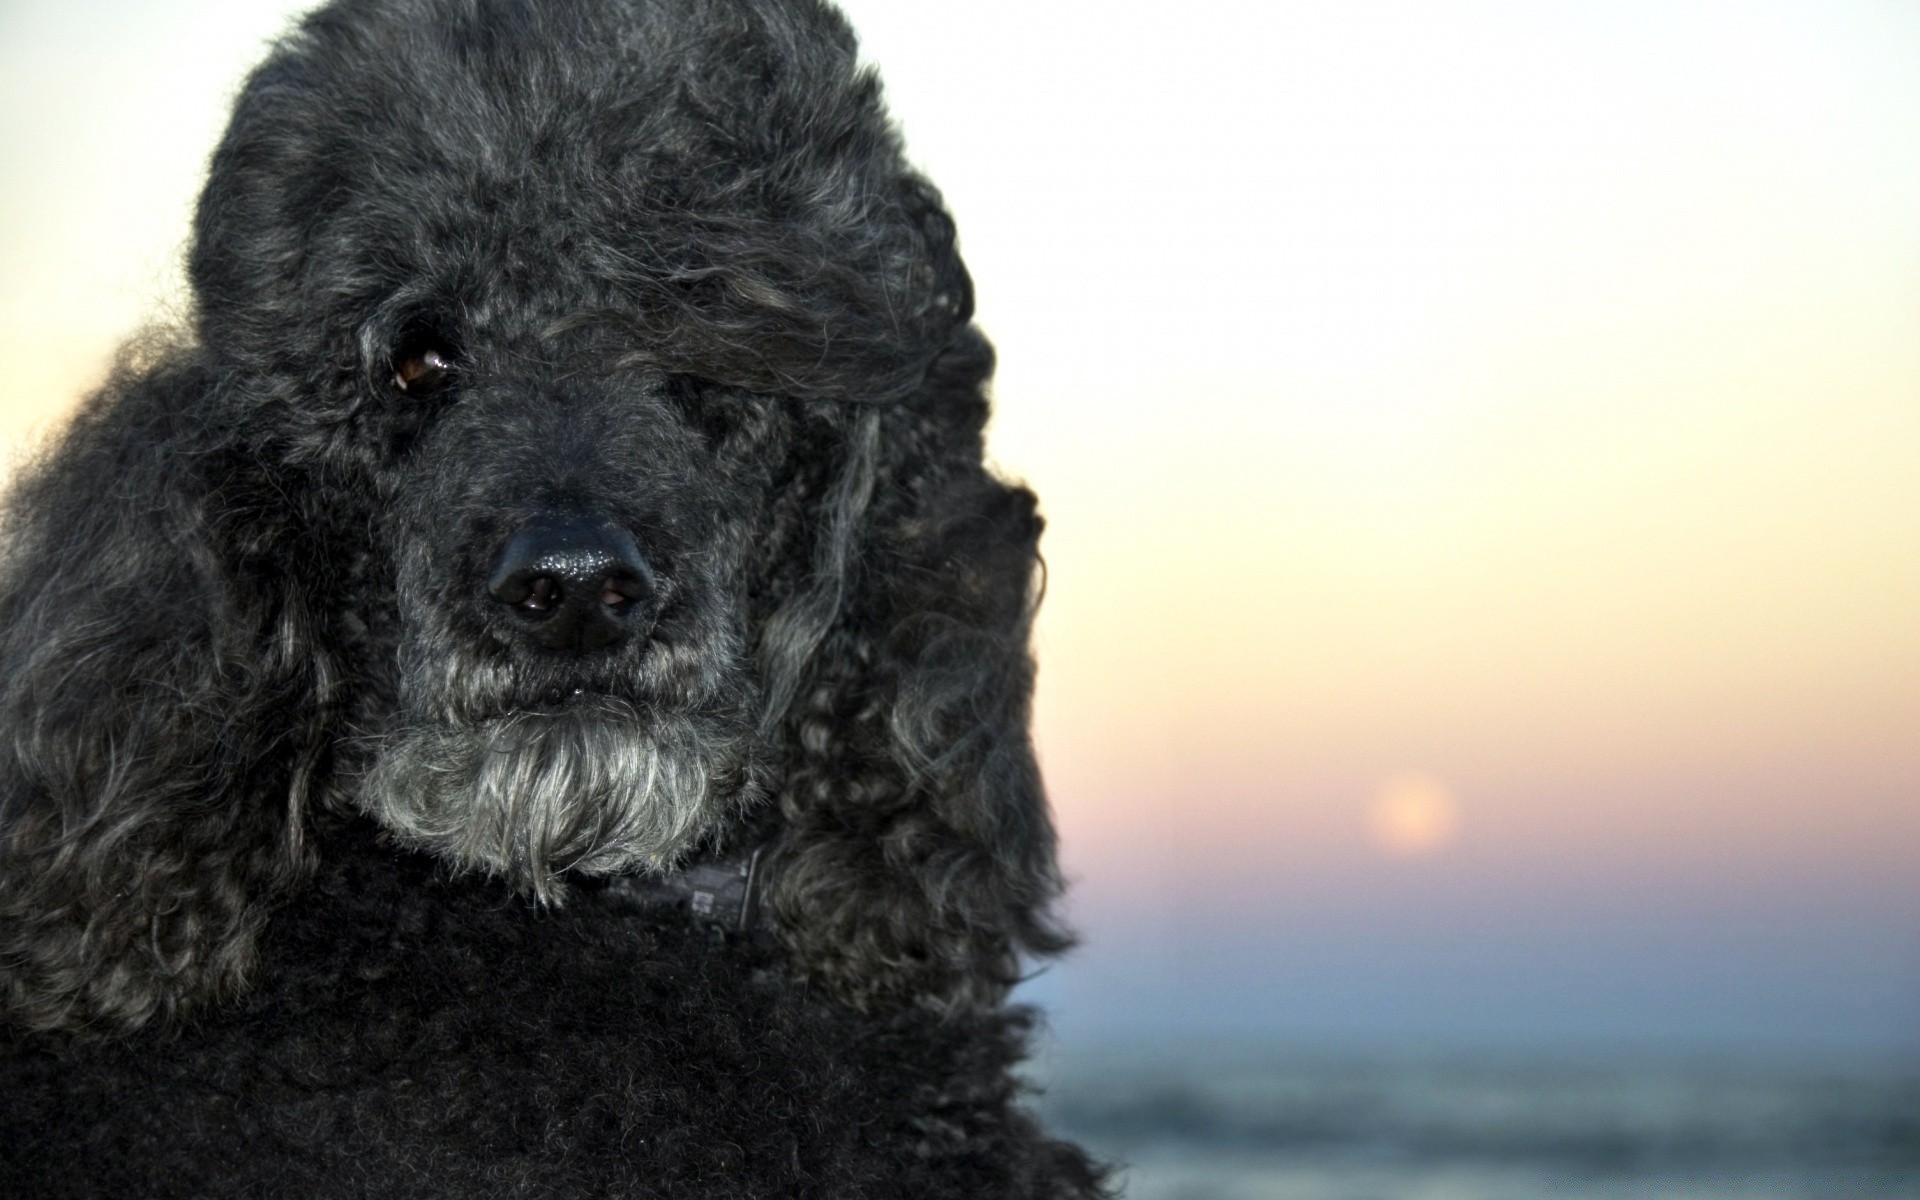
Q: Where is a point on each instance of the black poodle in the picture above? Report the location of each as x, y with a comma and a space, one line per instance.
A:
529, 697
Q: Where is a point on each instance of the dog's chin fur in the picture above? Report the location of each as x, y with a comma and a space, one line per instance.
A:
599, 787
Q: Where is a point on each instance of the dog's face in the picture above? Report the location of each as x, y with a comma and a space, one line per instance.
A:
572, 498
570, 681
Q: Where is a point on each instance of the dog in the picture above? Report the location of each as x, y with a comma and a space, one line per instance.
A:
528, 694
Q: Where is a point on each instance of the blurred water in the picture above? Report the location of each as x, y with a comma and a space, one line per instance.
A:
1260, 1122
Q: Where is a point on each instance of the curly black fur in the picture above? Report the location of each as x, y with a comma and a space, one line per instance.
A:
684, 284
604, 1057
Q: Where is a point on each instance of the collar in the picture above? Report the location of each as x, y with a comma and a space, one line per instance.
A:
725, 891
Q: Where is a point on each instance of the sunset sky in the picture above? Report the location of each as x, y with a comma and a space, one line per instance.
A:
1481, 449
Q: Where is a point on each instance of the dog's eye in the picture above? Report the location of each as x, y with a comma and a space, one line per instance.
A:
422, 368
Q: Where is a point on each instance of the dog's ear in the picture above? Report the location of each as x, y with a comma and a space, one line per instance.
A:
157, 694
917, 858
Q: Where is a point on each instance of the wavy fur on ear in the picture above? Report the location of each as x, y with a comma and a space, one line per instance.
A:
157, 720
917, 862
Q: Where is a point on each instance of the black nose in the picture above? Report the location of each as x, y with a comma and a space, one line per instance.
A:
574, 583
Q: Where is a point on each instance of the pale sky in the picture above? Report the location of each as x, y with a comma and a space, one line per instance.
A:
1518, 399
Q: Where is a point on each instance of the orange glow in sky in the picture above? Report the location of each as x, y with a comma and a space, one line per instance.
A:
1412, 815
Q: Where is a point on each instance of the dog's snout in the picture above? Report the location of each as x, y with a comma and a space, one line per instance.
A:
574, 583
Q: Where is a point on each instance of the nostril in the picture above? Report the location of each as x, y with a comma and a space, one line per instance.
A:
527, 591
542, 594
621, 588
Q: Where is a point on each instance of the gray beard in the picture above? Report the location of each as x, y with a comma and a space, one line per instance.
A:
599, 788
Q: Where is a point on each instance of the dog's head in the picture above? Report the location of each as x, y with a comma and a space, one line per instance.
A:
577, 461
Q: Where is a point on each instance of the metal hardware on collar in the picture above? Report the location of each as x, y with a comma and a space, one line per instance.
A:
724, 892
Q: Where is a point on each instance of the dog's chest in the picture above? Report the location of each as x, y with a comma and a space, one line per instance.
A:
418, 1037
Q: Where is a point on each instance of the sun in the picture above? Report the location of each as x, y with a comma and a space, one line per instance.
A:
1412, 815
